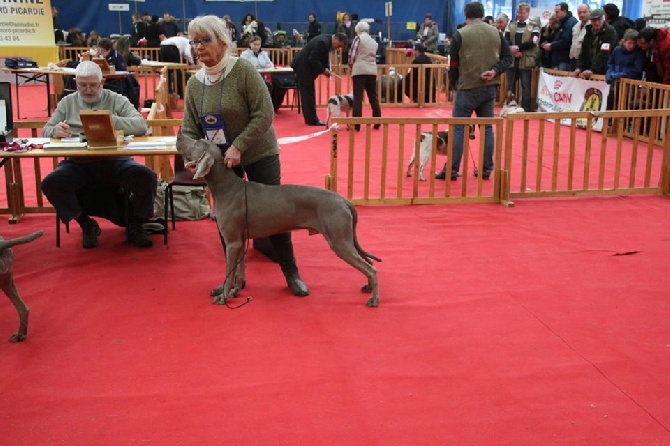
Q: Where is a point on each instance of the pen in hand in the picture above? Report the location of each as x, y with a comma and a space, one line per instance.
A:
65, 129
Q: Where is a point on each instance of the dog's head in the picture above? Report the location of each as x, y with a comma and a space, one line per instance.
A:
442, 140
510, 100
203, 152
510, 106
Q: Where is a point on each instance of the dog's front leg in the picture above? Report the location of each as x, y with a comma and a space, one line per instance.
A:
234, 255
7, 285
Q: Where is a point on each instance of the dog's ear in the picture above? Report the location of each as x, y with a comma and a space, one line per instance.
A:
205, 163
185, 146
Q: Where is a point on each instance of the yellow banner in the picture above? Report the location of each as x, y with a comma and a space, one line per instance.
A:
26, 29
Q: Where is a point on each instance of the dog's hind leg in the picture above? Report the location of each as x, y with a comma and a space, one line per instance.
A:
7, 285
410, 165
341, 241
354, 259
424, 157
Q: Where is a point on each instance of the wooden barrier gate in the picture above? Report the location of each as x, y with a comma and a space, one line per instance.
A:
534, 157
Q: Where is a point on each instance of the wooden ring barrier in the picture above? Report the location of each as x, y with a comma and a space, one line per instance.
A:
14, 185
538, 160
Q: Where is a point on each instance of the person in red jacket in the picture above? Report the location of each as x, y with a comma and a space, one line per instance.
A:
658, 41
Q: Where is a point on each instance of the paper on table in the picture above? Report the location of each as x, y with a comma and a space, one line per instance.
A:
3, 119
36, 140
145, 145
64, 145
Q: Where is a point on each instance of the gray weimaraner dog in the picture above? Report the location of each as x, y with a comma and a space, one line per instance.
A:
245, 209
7, 281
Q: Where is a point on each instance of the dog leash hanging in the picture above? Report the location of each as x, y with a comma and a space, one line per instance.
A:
246, 248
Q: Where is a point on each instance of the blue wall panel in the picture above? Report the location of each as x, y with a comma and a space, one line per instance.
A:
88, 15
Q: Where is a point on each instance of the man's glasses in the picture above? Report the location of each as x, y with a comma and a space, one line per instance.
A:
203, 42
84, 86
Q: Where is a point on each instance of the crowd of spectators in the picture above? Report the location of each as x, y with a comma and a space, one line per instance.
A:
580, 42
594, 42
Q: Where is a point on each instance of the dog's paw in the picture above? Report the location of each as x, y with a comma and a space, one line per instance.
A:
218, 290
18, 337
422, 178
220, 299
372, 302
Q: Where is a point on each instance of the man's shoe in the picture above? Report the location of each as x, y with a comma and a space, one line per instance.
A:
485, 176
317, 123
297, 286
90, 231
137, 236
442, 175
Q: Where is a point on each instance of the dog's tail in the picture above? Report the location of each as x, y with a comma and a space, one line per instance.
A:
366, 255
4, 244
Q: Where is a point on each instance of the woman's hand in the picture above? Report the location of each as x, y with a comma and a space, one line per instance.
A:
232, 157
190, 166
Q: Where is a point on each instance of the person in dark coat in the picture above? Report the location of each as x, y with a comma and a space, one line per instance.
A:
412, 79
627, 60
618, 22
314, 28
308, 64
599, 42
560, 46
152, 33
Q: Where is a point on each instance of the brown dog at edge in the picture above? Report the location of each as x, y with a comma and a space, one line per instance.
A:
7, 281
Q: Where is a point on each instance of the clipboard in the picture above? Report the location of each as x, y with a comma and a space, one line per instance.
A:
99, 129
102, 63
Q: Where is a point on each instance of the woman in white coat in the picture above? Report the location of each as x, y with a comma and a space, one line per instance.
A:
363, 64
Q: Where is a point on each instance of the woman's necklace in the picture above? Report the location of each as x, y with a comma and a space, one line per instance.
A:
215, 79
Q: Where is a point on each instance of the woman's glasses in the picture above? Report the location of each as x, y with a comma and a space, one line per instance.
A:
203, 42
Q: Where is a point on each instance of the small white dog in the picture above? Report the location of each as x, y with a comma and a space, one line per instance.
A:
510, 106
425, 151
338, 104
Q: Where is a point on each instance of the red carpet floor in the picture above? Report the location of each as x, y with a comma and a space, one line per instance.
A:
542, 324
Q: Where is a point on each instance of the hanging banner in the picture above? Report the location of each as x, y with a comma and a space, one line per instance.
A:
565, 94
26, 29
25, 24
656, 12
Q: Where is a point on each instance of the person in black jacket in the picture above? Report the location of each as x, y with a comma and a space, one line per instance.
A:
308, 64
314, 28
618, 22
152, 33
412, 79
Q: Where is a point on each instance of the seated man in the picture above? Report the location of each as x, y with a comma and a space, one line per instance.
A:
75, 173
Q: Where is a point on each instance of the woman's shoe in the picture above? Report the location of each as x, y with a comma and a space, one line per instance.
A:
297, 286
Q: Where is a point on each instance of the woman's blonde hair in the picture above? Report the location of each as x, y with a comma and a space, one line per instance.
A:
211, 26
